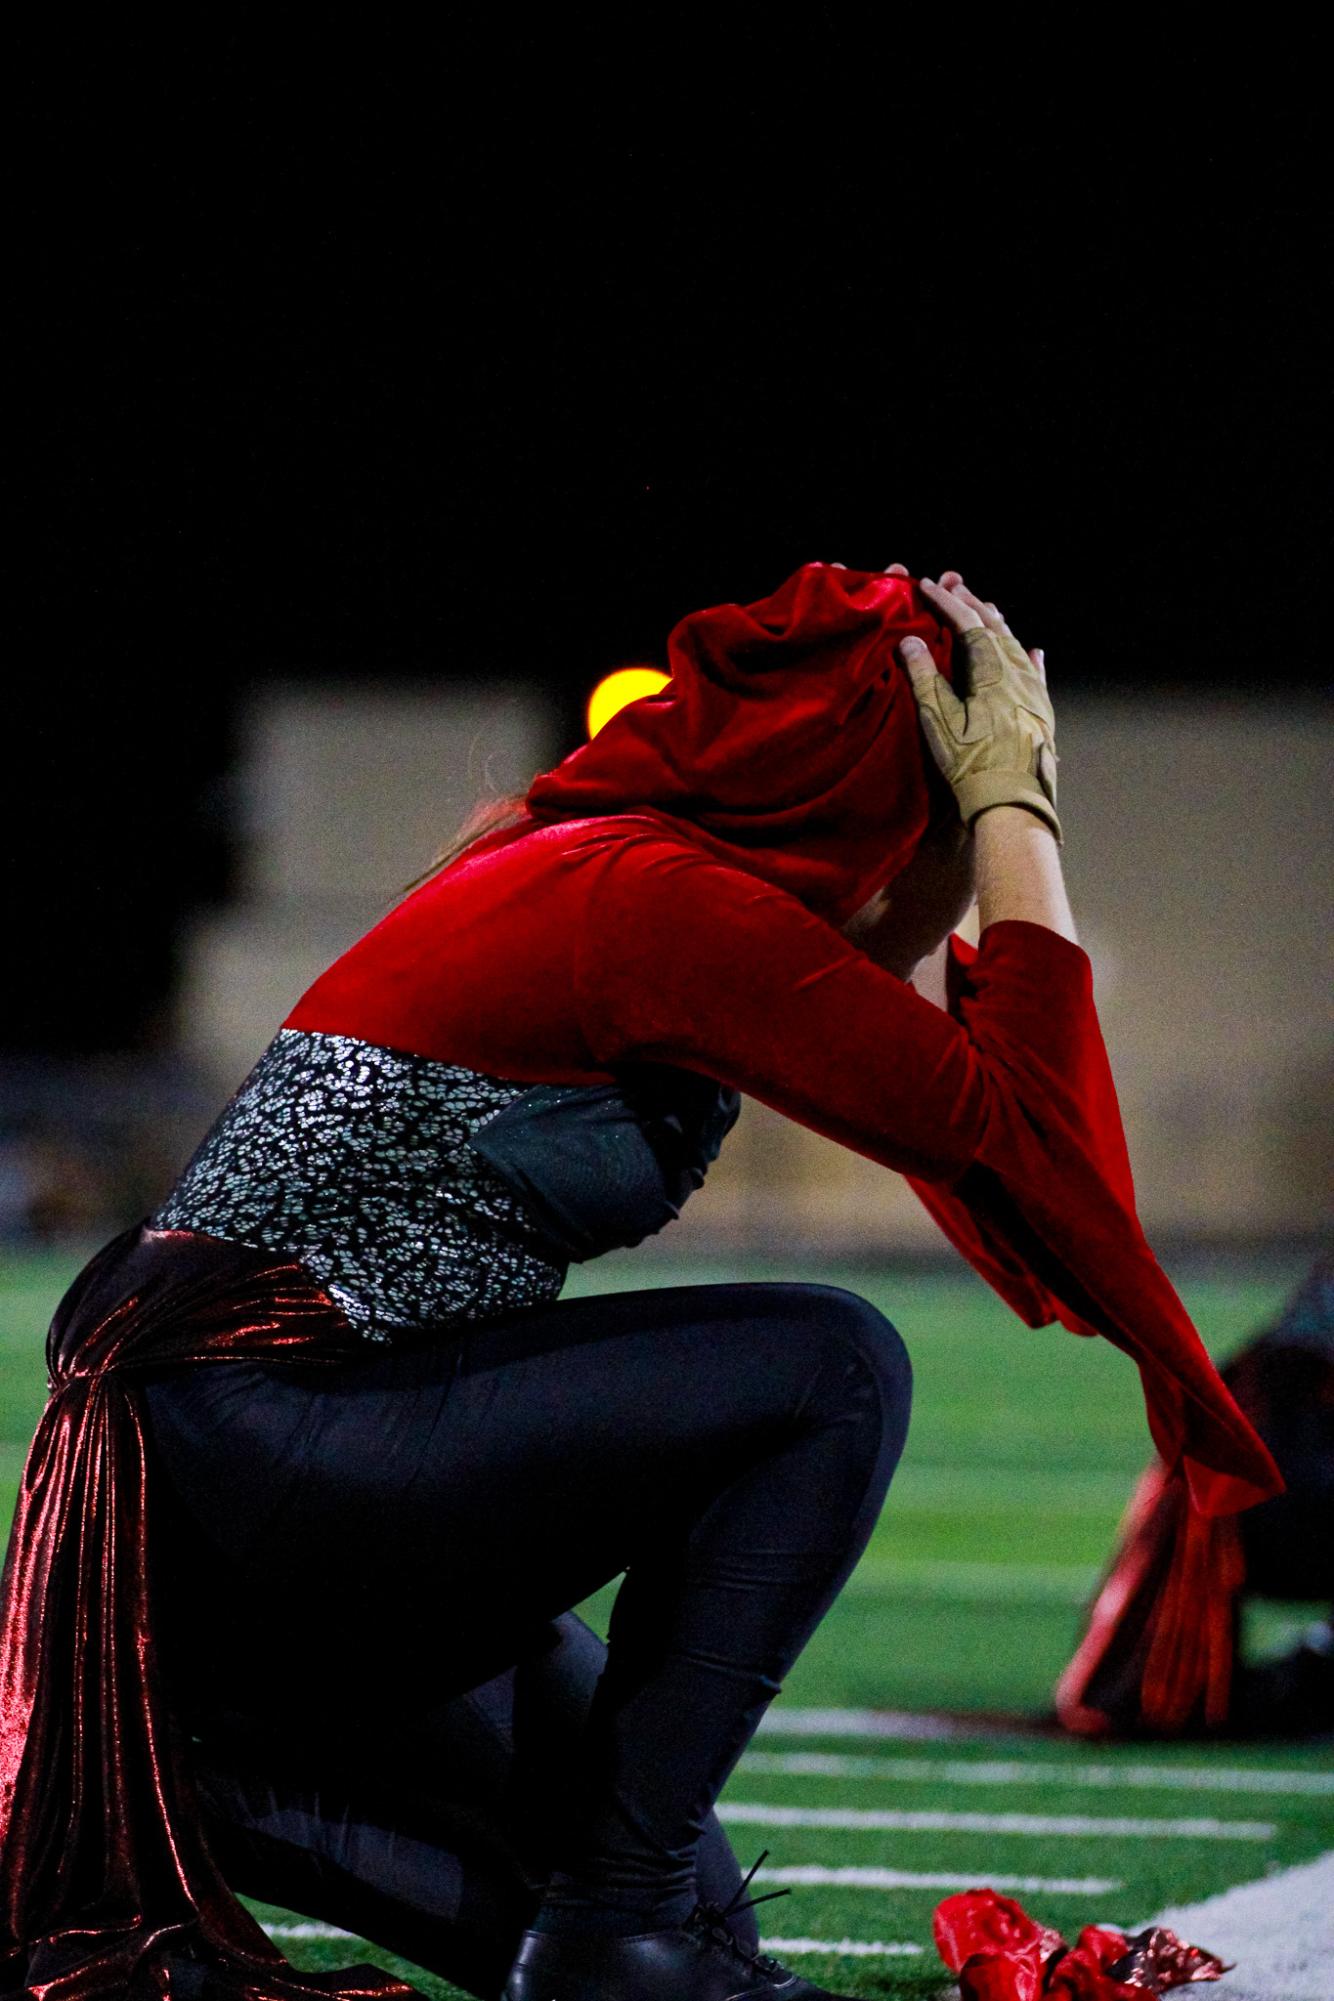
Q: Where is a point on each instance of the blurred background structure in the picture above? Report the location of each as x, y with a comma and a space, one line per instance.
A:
1193, 830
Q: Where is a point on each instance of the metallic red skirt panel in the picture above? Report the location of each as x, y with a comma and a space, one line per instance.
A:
107, 1886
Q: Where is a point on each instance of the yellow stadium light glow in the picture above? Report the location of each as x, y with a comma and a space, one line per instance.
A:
613, 691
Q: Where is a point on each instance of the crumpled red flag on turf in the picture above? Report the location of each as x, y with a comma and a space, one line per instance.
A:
1001, 1954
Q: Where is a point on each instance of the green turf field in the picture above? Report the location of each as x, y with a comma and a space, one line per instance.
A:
1022, 1450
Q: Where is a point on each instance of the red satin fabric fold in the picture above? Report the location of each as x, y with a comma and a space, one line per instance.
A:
1069, 1246
1170, 1595
787, 737
106, 1884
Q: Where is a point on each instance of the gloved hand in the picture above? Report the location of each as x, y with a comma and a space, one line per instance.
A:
993, 733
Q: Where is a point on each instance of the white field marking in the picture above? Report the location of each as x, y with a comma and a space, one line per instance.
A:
851, 1948
1013, 1772
899, 1724
887, 1820
1278, 1931
307, 1931
975, 1583
814, 1875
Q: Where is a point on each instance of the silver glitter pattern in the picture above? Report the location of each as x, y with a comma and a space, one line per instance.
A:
355, 1158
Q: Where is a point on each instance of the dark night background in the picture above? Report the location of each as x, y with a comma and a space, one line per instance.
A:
356, 353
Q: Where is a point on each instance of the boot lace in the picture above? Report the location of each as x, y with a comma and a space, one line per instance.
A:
711, 1920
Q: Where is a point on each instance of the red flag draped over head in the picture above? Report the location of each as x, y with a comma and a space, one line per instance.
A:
787, 737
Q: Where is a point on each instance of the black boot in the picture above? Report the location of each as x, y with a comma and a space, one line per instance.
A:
699, 1960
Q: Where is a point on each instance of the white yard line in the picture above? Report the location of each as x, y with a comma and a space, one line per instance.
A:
886, 1820
1279, 1932
851, 1948
1014, 1772
900, 1724
305, 1930
813, 1875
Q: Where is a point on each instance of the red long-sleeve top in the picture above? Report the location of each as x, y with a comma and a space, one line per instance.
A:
554, 953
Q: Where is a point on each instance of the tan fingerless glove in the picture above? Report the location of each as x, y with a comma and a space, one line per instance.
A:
995, 742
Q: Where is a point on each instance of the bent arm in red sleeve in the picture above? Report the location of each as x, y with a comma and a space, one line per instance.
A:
1001, 1112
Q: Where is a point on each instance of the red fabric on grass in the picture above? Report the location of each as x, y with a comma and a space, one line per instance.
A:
1001, 1954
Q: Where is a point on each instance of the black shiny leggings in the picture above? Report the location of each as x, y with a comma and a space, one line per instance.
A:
400, 1728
